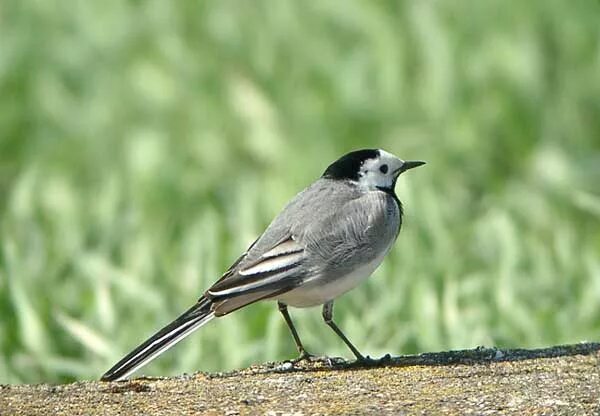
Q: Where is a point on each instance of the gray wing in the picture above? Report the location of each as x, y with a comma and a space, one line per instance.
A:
357, 234
321, 226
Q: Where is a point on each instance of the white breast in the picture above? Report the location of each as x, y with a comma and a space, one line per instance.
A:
320, 290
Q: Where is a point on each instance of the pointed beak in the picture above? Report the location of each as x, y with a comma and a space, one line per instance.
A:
409, 164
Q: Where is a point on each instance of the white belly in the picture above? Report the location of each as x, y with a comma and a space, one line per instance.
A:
321, 289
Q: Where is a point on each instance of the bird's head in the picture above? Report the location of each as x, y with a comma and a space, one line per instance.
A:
370, 168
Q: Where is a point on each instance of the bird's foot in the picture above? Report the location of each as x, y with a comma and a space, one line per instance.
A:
310, 358
371, 362
304, 356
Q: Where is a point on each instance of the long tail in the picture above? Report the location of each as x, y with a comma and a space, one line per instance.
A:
189, 321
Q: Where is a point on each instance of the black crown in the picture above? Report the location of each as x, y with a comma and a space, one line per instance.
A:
348, 166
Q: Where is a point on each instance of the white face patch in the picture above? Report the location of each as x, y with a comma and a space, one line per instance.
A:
380, 172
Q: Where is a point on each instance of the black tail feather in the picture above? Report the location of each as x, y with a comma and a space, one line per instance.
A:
168, 336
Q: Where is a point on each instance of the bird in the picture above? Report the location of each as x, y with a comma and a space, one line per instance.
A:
329, 238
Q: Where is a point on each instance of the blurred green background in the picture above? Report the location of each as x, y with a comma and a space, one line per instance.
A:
145, 144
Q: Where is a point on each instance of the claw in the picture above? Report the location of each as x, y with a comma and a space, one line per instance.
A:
328, 361
367, 361
370, 362
304, 356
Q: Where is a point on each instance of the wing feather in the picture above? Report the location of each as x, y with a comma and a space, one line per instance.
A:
272, 267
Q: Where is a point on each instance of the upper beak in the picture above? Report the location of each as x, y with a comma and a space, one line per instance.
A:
409, 164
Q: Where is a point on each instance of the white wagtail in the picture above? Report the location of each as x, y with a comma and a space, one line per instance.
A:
327, 240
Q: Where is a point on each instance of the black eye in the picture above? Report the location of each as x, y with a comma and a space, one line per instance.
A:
383, 169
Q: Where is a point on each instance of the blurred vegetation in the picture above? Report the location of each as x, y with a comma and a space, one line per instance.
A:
145, 144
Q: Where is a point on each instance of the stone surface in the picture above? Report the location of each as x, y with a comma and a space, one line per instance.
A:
558, 380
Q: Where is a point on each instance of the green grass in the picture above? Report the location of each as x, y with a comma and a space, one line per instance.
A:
144, 145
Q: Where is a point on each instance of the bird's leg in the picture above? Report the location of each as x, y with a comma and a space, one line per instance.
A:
328, 317
303, 353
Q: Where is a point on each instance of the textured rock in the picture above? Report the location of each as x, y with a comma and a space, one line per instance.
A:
558, 380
